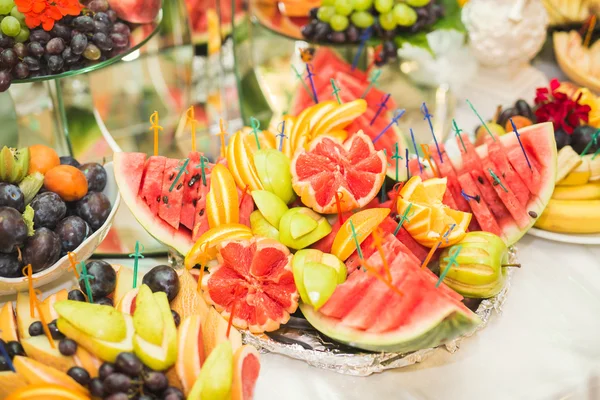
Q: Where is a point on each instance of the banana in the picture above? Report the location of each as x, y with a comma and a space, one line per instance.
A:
578, 176
571, 216
568, 160
589, 191
594, 167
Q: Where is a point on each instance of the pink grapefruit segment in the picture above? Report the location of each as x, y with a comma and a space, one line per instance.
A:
353, 169
254, 276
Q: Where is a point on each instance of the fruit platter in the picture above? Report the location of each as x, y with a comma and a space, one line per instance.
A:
53, 210
571, 213
43, 39
110, 336
326, 238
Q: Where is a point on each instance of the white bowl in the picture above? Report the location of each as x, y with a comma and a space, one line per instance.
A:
83, 252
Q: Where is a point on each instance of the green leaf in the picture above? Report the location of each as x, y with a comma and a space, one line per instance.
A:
28, 218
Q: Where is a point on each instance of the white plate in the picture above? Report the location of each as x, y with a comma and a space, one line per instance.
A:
82, 253
589, 238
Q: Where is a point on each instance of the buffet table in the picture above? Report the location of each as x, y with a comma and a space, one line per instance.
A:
545, 345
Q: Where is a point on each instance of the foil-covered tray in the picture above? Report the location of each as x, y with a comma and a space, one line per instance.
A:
297, 339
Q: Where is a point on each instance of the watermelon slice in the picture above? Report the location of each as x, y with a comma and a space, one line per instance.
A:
482, 213
152, 180
192, 181
169, 208
514, 182
530, 176
422, 317
201, 217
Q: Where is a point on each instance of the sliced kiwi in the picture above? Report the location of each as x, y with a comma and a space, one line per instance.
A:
28, 215
31, 185
13, 164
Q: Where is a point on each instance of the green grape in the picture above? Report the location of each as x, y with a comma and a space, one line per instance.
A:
10, 26
362, 19
417, 3
387, 21
384, 6
328, 3
325, 13
362, 5
343, 7
23, 35
339, 23
18, 15
6, 6
404, 15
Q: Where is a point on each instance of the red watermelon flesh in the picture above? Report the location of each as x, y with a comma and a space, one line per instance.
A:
135, 164
152, 180
190, 191
419, 251
531, 176
480, 209
169, 208
201, 218
246, 207
514, 182
413, 168
343, 299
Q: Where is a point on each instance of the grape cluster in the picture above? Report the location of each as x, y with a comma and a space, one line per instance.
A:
59, 226
344, 21
73, 42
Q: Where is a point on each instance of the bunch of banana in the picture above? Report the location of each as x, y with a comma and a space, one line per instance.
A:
575, 203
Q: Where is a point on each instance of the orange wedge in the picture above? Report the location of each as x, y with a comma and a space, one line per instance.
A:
37, 373
365, 222
339, 118
45, 392
8, 324
205, 248
239, 160
430, 221
222, 202
309, 117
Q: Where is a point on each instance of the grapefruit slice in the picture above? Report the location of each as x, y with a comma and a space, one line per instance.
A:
254, 276
246, 367
353, 169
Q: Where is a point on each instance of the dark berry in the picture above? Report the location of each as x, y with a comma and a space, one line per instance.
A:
103, 278
10, 267
129, 363
105, 370
94, 208
14, 348
155, 382
96, 388
176, 317
77, 295
163, 278
72, 231
104, 301
36, 329
11, 196
80, 375
42, 250
68, 160
116, 383
172, 393
67, 347
96, 176
49, 210
54, 332
13, 231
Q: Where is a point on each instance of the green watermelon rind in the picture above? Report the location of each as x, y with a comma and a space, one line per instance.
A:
153, 224
446, 326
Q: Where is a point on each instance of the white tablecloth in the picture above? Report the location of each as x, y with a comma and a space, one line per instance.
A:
545, 345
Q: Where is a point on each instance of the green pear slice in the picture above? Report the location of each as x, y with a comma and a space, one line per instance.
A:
270, 206
216, 376
337, 264
97, 321
148, 325
285, 228
320, 281
261, 227
105, 350
301, 225
273, 168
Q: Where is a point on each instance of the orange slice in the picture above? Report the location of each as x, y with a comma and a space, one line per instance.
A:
205, 248
222, 202
37, 373
309, 117
339, 117
239, 160
430, 221
45, 392
365, 222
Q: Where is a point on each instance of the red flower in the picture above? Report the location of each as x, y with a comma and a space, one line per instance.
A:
47, 12
557, 107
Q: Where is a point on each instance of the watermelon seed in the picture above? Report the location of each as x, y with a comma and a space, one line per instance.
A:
202, 212
179, 186
193, 180
158, 199
194, 202
532, 214
165, 200
171, 176
480, 179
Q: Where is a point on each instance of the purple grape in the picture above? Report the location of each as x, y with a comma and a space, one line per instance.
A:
35, 49
33, 64
55, 46
79, 43
76, 295
96, 388
39, 35
105, 370
42, 250
7, 41
121, 28
98, 6
390, 49
67, 347
129, 364
5, 80
172, 393
69, 56
100, 26
61, 31
80, 375
352, 33
116, 383
338, 37
112, 15
103, 17
102, 41
155, 382
55, 63
84, 23
9, 58
21, 70
14, 348
308, 30
20, 49
119, 40
322, 29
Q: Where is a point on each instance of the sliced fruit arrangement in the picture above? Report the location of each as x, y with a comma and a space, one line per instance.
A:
158, 342
352, 84
579, 61
39, 226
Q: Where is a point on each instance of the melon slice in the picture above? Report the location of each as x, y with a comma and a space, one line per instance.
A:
169, 208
